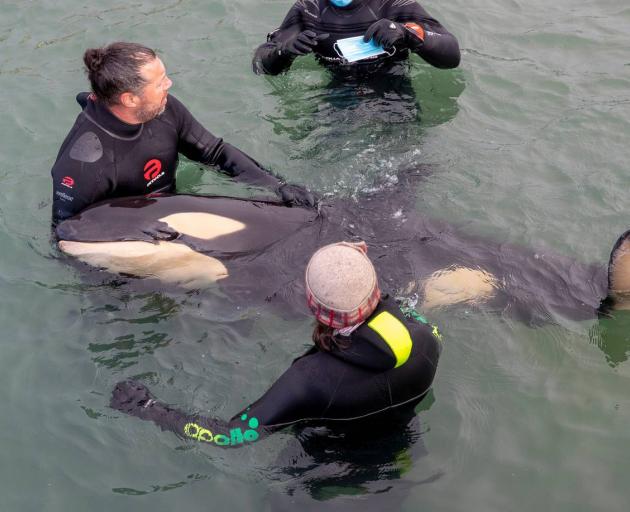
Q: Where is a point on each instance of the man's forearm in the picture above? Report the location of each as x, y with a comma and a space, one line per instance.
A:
245, 169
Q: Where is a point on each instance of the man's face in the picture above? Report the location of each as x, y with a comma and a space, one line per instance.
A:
153, 95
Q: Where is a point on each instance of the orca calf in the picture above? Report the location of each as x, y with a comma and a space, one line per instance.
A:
257, 251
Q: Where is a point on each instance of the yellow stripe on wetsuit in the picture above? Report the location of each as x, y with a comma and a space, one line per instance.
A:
395, 335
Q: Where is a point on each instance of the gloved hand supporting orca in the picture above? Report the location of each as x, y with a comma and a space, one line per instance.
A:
297, 195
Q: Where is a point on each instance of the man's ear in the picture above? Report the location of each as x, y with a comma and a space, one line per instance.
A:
128, 99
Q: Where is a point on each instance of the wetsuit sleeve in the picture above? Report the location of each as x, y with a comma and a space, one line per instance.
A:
268, 57
287, 401
79, 177
198, 144
439, 47
134, 398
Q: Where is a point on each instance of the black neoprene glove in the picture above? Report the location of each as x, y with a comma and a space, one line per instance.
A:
131, 397
297, 195
387, 33
301, 44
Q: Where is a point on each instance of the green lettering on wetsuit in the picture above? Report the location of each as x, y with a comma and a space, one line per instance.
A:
236, 437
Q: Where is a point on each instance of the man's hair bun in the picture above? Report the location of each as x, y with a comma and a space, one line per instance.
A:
93, 59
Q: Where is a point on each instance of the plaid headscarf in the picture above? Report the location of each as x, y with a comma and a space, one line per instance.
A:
341, 284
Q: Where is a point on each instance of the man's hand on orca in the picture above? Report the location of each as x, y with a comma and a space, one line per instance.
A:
302, 43
297, 195
387, 34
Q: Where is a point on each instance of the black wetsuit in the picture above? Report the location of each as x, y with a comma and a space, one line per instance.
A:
439, 48
104, 157
390, 361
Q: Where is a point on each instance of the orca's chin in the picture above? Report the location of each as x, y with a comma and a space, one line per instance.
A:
170, 262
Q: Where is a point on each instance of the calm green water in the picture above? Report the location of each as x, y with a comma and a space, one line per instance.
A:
529, 143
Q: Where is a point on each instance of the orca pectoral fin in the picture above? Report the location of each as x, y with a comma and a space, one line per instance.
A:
161, 232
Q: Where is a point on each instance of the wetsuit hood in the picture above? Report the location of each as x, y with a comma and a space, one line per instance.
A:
368, 348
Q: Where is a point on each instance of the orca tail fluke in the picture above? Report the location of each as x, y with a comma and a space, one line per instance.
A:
618, 296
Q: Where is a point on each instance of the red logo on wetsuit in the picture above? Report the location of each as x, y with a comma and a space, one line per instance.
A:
153, 171
67, 181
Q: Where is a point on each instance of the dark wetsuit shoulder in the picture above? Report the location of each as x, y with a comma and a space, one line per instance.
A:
104, 157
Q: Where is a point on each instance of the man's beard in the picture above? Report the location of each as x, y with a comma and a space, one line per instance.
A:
145, 114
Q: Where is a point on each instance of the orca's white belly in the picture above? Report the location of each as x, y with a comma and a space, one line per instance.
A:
168, 261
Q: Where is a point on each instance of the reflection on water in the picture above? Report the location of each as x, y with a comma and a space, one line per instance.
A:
153, 309
137, 321
612, 335
160, 488
128, 327
125, 350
